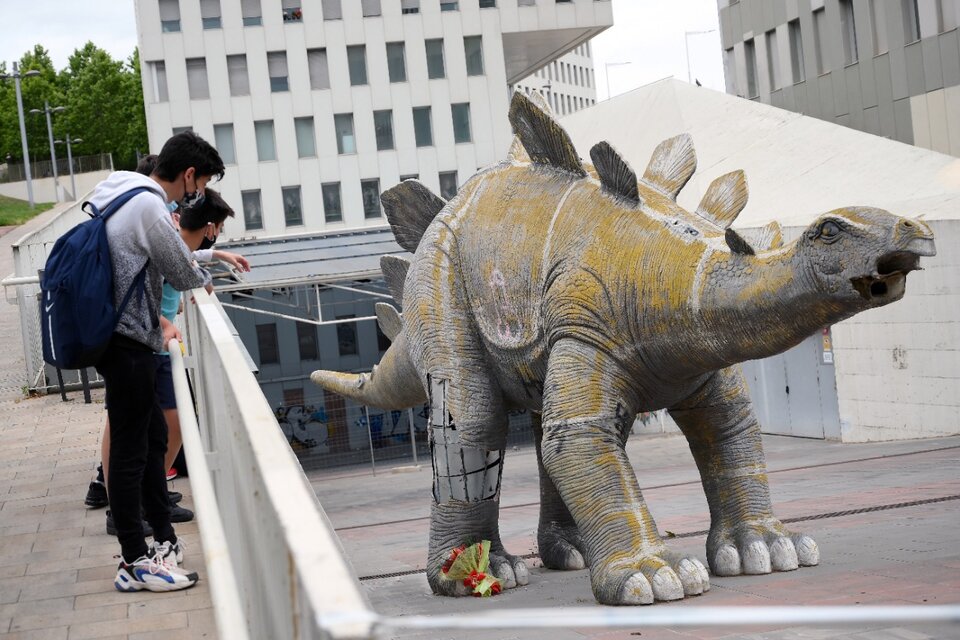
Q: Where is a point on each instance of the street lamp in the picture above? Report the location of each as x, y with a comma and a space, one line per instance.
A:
69, 141
16, 75
686, 46
53, 156
606, 72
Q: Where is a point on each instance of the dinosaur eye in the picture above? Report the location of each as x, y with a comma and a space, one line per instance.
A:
829, 230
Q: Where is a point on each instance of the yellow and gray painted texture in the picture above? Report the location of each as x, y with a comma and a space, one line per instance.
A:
587, 295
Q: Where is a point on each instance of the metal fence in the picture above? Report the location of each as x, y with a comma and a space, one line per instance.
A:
11, 172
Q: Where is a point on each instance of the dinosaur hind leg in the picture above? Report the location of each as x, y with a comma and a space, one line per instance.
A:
466, 493
558, 539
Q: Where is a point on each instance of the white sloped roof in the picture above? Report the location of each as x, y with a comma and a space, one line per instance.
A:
797, 167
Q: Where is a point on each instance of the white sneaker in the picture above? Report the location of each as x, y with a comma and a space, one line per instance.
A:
170, 553
149, 572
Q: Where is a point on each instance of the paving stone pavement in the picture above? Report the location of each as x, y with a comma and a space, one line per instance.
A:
57, 562
892, 556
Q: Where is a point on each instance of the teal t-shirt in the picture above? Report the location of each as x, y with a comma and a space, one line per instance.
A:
169, 305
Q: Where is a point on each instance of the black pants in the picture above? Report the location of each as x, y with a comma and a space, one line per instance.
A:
138, 444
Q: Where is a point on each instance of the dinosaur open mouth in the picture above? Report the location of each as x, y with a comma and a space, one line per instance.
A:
890, 278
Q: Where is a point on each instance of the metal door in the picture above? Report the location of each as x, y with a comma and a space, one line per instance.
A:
795, 393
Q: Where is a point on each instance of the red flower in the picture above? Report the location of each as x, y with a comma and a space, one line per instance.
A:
453, 557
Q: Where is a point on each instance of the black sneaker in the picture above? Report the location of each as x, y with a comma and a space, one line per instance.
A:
96, 495
147, 529
175, 497
180, 514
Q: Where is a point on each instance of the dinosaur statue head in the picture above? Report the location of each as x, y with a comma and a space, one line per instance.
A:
860, 256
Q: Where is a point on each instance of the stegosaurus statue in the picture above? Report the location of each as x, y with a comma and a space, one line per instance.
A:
586, 296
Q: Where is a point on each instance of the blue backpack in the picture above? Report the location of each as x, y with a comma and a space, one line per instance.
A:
77, 313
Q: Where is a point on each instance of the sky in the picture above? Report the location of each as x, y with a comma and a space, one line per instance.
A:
648, 34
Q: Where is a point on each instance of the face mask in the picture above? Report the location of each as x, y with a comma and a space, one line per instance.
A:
190, 198
206, 243
172, 206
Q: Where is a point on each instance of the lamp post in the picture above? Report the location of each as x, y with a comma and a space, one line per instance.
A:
16, 75
68, 141
686, 47
606, 72
53, 156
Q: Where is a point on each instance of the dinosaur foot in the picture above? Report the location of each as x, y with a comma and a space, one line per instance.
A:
561, 547
759, 548
665, 576
455, 523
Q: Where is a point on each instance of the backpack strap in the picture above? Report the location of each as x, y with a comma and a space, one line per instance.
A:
114, 204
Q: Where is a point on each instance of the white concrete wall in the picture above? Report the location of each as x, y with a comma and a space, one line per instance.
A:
936, 120
487, 95
898, 367
43, 188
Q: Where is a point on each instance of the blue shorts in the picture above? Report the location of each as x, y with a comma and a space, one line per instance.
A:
164, 383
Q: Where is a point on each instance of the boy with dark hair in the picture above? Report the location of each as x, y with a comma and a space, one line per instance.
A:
142, 239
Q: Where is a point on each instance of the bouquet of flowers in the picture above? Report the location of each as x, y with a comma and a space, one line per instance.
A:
470, 564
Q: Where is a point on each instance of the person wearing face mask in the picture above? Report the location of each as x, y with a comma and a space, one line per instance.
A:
142, 239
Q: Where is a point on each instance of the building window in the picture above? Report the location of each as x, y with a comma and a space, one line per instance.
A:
488, 4
383, 342
448, 184
383, 126
343, 124
267, 344
160, 81
319, 73
169, 16
292, 11
347, 336
370, 193
848, 27
371, 8
251, 13
357, 62
252, 211
526, 3
435, 66
277, 68
449, 5
331, 10
292, 209
332, 212
750, 53
473, 49
197, 78
819, 38
307, 341
461, 122
223, 138
796, 51
237, 75
773, 60
410, 176
177, 130
878, 26
396, 62
210, 14
911, 20
266, 149
422, 127
306, 142
409, 6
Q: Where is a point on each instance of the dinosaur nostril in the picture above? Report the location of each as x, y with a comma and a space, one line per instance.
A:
908, 224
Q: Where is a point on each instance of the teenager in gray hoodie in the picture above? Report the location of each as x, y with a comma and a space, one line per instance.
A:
141, 236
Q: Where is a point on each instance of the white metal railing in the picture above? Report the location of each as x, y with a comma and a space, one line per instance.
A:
292, 577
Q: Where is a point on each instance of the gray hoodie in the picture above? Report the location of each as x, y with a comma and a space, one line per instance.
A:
140, 231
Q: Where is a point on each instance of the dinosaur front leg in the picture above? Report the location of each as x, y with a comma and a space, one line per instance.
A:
724, 436
558, 538
466, 494
587, 399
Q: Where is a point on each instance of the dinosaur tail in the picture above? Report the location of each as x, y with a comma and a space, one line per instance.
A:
393, 384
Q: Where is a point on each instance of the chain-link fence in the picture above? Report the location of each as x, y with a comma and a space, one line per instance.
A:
11, 172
